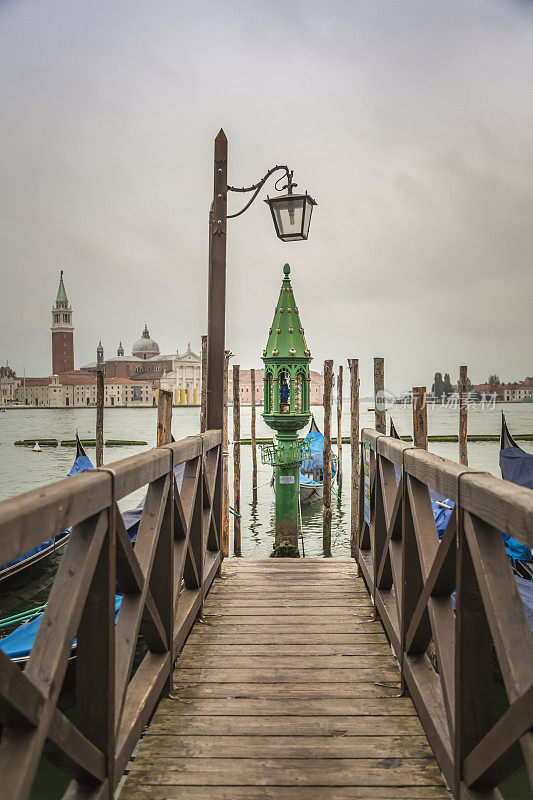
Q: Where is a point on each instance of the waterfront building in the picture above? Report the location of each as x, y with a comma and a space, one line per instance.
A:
78, 390
62, 332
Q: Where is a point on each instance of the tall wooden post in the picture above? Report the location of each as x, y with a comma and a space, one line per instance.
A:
420, 418
252, 435
99, 417
326, 476
463, 416
203, 401
236, 461
339, 429
217, 304
225, 460
379, 395
164, 417
353, 364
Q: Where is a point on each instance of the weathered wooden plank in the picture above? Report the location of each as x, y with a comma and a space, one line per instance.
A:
266, 660
179, 723
244, 706
224, 651
177, 771
274, 746
150, 792
288, 675
189, 689
204, 635
362, 609
344, 623
268, 606
247, 628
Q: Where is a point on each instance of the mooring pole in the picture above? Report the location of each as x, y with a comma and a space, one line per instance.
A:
164, 417
99, 417
339, 430
353, 364
203, 401
236, 462
326, 466
217, 305
463, 416
380, 414
225, 461
420, 419
252, 436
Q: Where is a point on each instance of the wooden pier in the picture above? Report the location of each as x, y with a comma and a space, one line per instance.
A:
286, 688
274, 678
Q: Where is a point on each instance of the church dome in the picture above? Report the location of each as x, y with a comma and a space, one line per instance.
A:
145, 347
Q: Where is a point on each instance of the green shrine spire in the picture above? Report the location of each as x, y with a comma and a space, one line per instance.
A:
286, 337
287, 399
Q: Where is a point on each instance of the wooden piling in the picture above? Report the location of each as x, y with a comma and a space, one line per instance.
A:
353, 364
252, 438
225, 460
339, 431
164, 417
326, 478
420, 418
203, 407
236, 462
99, 418
463, 415
379, 395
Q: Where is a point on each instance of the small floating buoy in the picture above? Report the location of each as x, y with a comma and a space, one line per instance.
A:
37, 449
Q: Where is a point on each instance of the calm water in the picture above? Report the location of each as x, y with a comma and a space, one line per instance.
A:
21, 469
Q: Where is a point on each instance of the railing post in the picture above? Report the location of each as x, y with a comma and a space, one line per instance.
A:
252, 437
95, 657
224, 464
99, 417
420, 419
236, 461
463, 416
380, 414
473, 678
326, 461
339, 431
353, 364
203, 399
162, 574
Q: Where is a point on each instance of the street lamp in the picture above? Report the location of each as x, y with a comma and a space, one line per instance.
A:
291, 212
292, 216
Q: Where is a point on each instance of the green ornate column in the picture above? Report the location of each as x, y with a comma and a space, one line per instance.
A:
286, 410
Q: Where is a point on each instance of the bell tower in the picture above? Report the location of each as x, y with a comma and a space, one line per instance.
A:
62, 332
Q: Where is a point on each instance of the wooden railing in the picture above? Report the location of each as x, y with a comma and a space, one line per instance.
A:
164, 579
452, 610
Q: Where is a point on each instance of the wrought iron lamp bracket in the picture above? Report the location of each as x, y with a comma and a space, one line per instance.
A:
256, 188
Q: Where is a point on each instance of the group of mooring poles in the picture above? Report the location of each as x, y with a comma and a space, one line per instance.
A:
420, 439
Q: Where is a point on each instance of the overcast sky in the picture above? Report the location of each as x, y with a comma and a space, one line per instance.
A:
410, 122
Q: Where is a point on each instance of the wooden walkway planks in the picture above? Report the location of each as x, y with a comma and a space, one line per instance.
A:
285, 689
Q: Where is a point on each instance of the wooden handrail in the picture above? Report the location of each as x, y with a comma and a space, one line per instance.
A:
177, 542
451, 609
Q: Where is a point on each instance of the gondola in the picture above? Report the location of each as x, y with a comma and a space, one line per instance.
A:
82, 463
517, 467
312, 469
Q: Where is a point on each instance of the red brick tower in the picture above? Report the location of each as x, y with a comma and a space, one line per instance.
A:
62, 333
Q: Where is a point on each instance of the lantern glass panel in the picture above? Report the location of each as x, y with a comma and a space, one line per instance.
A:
308, 210
288, 216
